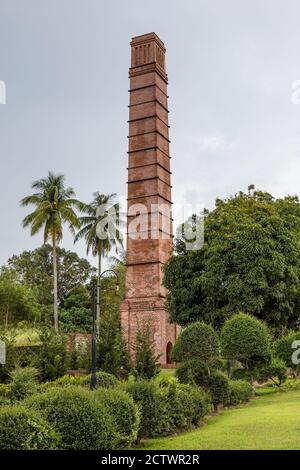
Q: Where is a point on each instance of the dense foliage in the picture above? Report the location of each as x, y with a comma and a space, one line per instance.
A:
75, 414
24, 429
285, 348
219, 388
250, 261
146, 361
246, 339
197, 341
240, 391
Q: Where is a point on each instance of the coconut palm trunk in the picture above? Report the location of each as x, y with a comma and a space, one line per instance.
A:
98, 295
55, 305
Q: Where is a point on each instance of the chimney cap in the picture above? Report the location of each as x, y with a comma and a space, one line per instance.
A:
145, 38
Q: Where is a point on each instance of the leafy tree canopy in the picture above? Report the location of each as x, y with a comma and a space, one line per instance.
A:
250, 261
17, 301
35, 269
246, 339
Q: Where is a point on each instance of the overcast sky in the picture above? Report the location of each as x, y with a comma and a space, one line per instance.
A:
231, 65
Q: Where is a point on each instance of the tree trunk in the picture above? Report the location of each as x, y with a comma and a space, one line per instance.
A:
98, 296
55, 286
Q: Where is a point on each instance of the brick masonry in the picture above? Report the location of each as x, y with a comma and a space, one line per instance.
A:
149, 183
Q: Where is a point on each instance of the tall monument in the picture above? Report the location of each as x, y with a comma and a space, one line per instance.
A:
149, 219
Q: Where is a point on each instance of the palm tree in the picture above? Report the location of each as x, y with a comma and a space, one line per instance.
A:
54, 206
100, 227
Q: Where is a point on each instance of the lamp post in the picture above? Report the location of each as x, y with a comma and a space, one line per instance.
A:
96, 326
94, 339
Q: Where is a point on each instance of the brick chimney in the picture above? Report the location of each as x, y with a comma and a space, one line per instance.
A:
149, 217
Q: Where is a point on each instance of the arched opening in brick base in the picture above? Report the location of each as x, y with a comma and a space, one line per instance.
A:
169, 352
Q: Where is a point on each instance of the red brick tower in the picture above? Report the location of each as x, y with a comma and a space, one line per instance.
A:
149, 237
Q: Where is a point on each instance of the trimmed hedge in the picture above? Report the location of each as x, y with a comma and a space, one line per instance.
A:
124, 413
197, 403
24, 429
167, 406
219, 388
240, 391
153, 409
74, 413
246, 339
197, 341
192, 372
104, 379
64, 381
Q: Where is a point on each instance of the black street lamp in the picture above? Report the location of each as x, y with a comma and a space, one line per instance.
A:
94, 339
95, 305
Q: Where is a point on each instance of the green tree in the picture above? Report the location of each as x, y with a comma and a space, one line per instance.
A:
54, 205
250, 261
246, 339
35, 269
51, 357
100, 227
17, 301
197, 341
146, 361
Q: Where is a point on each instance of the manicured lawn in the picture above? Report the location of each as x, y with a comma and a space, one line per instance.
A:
268, 422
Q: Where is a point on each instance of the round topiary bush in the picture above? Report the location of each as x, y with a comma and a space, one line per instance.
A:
240, 391
24, 429
219, 388
155, 420
246, 339
104, 379
124, 413
75, 414
196, 341
192, 372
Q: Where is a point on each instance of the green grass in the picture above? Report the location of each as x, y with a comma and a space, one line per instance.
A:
268, 422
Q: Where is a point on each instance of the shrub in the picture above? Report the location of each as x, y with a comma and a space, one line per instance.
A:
124, 413
23, 429
245, 339
154, 413
5, 390
186, 404
192, 372
283, 349
74, 413
275, 369
219, 388
240, 391
201, 402
197, 341
104, 379
64, 381
51, 358
23, 382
